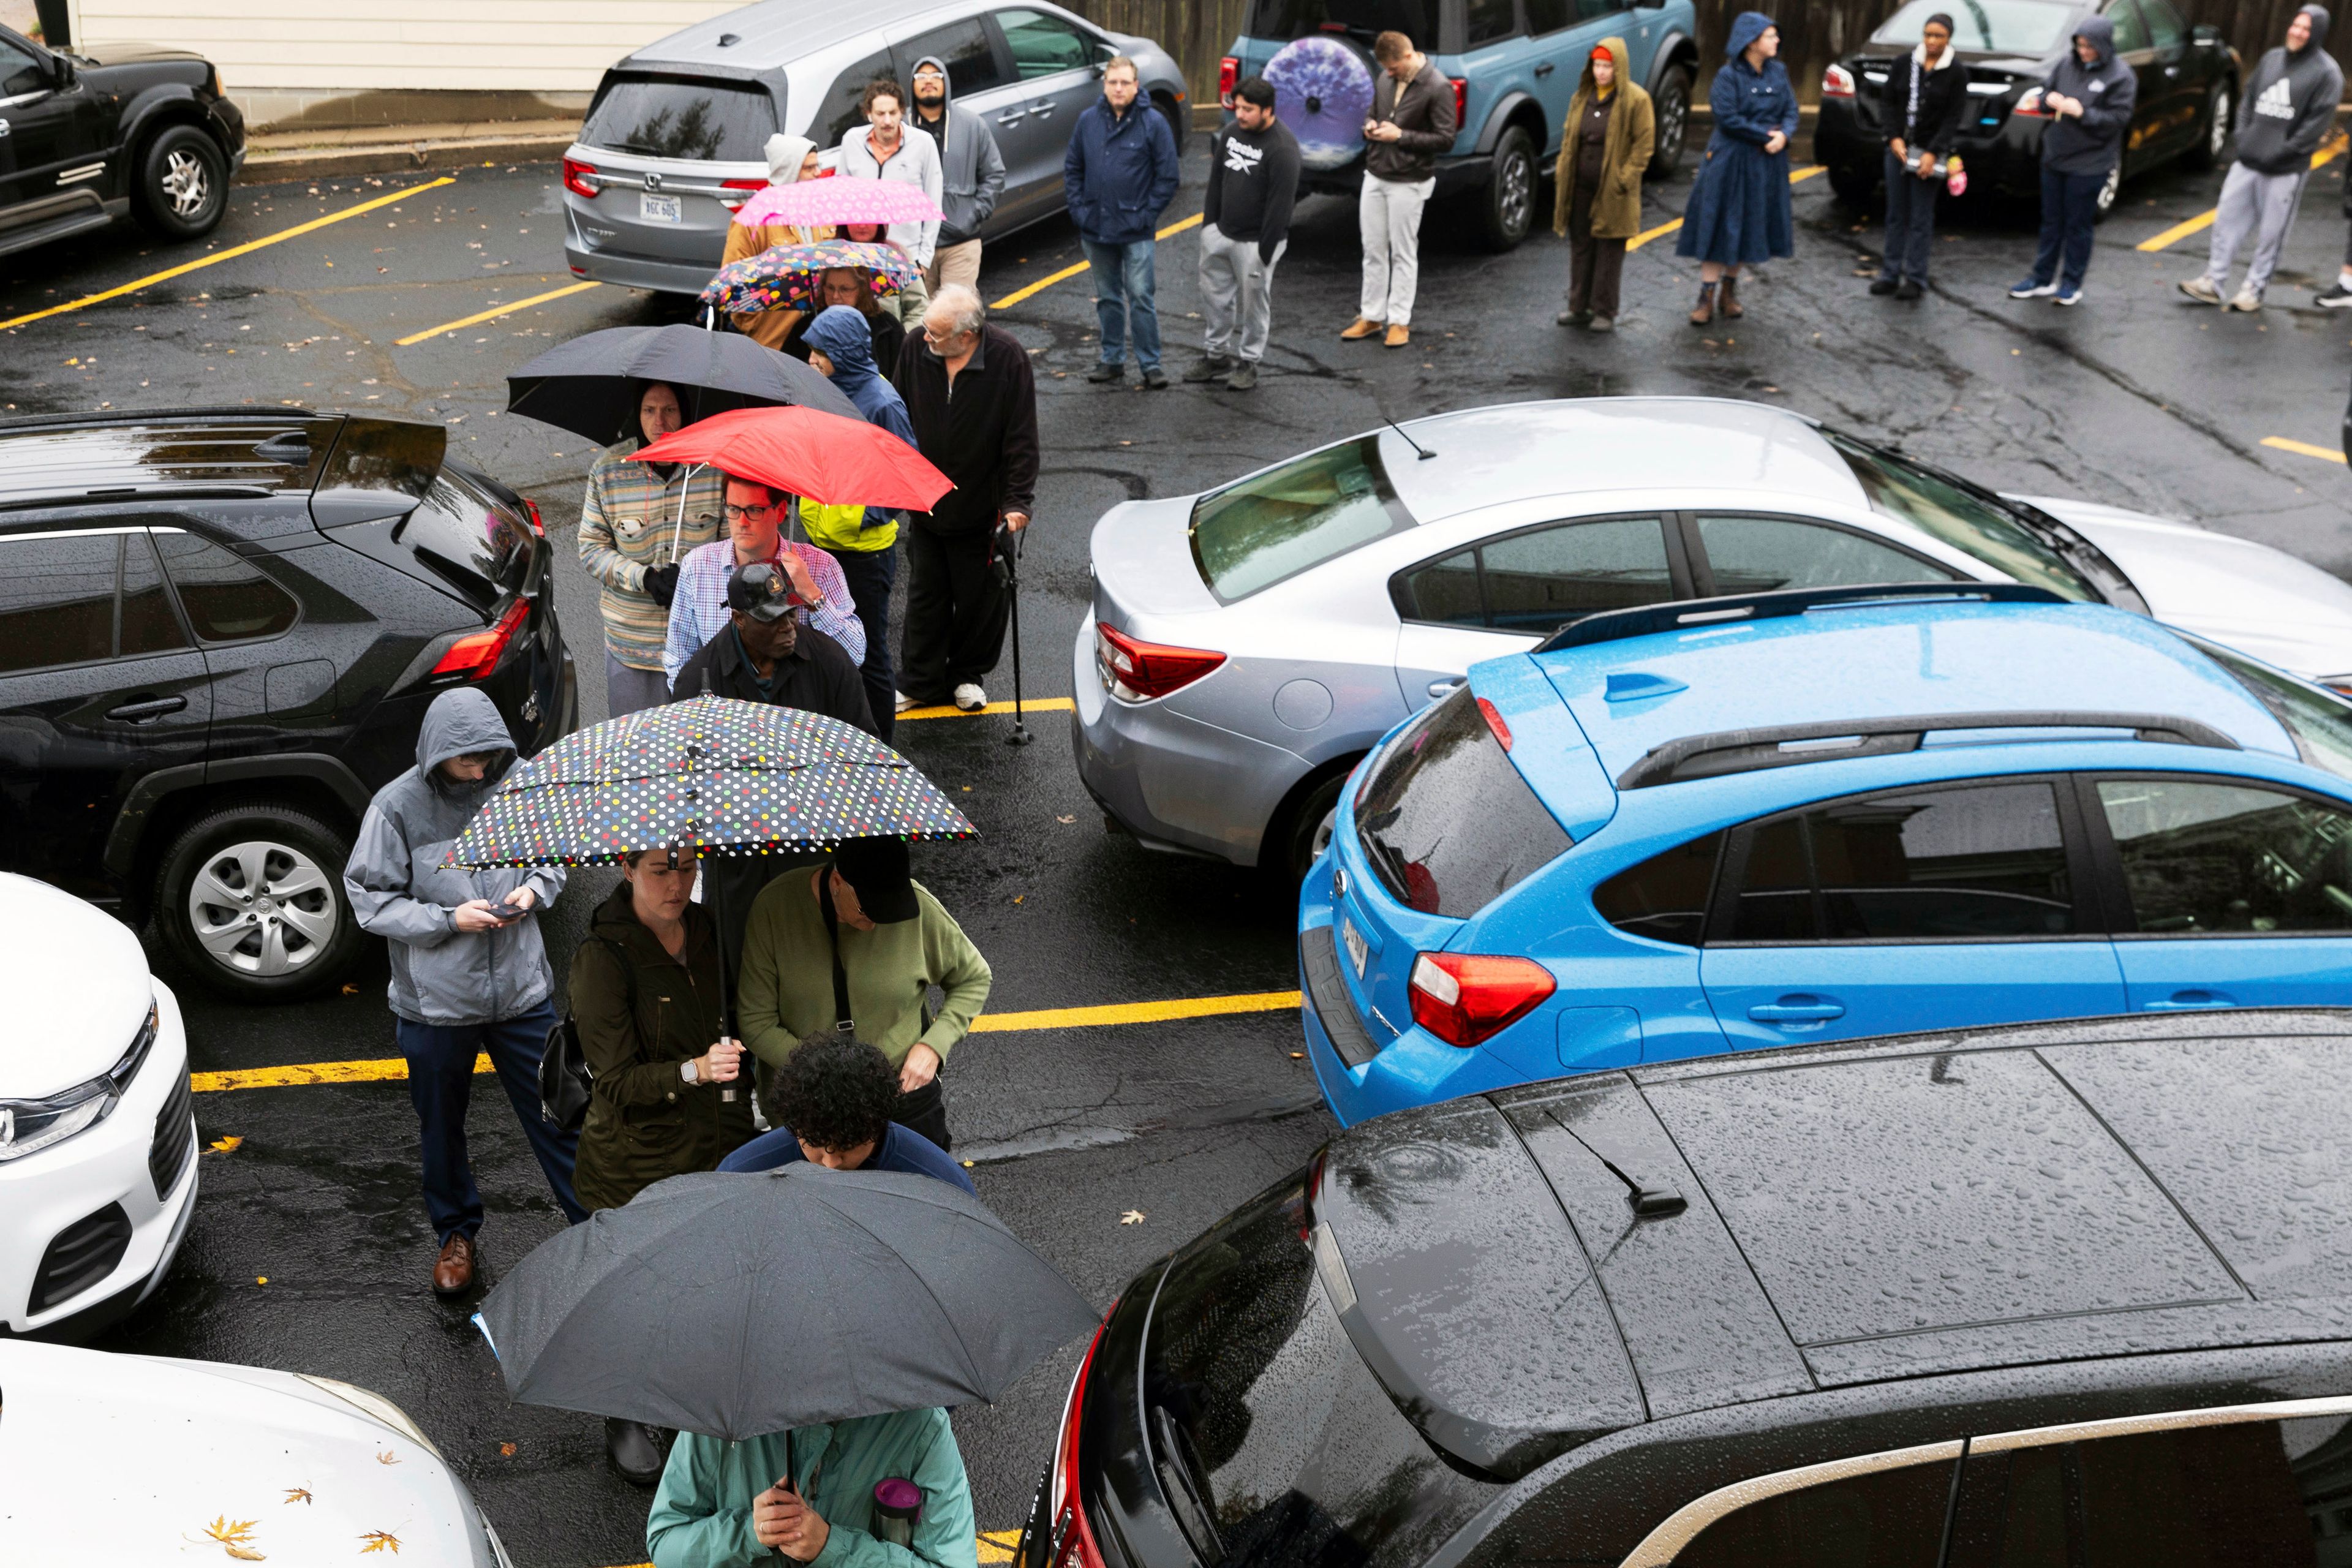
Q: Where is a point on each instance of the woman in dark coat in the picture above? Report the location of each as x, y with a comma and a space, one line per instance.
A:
1739, 210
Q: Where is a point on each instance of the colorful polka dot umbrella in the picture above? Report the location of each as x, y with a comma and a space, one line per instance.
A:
783, 276
712, 776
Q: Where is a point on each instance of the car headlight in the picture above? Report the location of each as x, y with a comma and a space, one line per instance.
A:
29, 1126
375, 1405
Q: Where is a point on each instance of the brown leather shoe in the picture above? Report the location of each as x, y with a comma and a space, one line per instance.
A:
453, 1271
1359, 328
1398, 337
1730, 306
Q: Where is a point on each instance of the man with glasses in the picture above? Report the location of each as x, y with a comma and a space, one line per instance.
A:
754, 515
972, 398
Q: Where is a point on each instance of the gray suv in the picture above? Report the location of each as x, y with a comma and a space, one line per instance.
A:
673, 142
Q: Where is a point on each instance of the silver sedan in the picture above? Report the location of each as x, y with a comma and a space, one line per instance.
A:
1247, 644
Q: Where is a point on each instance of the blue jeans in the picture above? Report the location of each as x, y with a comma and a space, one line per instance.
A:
441, 1083
1910, 222
2070, 204
1123, 298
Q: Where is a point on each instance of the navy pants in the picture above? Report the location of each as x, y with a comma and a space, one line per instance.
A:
441, 1083
869, 574
2070, 204
1910, 222
1125, 300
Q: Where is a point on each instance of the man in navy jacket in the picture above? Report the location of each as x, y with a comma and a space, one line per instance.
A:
1119, 175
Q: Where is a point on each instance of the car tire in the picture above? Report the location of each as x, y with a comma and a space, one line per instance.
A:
2213, 131
1174, 113
1854, 188
1305, 830
180, 189
1507, 209
250, 901
1670, 112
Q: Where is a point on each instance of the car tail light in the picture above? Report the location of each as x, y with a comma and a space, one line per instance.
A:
1139, 671
1461, 101
1495, 723
477, 654
1229, 75
1463, 998
2030, 106
1837, 82
582, 179
531, 510
733, 194
1073, 1542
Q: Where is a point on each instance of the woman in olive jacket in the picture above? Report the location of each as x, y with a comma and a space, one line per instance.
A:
1603, 155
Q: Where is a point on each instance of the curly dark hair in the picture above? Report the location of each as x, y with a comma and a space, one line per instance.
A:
881, 86
832, 1091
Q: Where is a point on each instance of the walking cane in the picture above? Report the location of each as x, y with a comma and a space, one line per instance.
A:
1010, 555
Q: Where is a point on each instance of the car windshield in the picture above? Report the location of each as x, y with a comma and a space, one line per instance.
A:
1287, 19
1961, 518
666, 116
1996, 27
1444, 817
2319, 722
1253, 534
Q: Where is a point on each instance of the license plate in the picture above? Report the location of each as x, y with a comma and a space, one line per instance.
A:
1359, 950
660, 209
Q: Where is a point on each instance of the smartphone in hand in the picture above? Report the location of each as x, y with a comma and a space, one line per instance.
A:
506, 914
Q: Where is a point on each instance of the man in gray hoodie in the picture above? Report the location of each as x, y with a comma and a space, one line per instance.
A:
971, 174
468, 971
2290, 103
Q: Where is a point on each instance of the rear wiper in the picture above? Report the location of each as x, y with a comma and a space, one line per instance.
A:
1649, 1202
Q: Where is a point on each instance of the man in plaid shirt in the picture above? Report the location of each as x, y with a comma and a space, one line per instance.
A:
754, 516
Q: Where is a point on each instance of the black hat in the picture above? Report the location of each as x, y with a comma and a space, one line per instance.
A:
878, 870
762, 592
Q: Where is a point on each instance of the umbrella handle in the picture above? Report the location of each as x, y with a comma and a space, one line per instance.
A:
678, 528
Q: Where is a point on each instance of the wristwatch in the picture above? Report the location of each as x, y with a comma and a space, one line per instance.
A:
686, 1070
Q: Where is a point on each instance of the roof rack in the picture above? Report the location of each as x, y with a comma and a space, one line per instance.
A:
1646, 620
1752, 751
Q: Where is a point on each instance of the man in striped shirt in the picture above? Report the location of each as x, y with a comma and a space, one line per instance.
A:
754, 516
638, 521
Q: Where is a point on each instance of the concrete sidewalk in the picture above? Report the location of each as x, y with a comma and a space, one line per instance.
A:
274, 155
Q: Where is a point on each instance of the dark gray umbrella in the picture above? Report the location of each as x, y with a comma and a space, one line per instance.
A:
590, 385
737, 1306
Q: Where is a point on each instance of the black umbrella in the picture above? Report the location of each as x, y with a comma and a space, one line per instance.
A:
591, 385
739, 1306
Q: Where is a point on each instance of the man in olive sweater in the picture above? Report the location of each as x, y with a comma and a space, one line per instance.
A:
894, 942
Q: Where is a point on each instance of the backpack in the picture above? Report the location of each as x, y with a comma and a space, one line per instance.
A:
566, 1084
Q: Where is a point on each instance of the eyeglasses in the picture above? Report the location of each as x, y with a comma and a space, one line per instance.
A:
738, 513
940, 339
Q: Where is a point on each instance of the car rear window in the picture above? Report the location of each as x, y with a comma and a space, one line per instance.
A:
2002, 27
469, 539
1287, 19
682, 117
1444, 817
2319, 722
1258, 530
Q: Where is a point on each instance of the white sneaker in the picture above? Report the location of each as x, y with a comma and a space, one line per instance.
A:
2247, 300
970, 697
905, 703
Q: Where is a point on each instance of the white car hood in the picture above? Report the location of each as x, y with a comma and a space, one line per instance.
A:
77, 986
118, 1459
2259, 600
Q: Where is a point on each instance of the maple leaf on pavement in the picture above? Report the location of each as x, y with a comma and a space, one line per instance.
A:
385, 1459
377, 1540
230, 1533
297, 1494
1133, 1216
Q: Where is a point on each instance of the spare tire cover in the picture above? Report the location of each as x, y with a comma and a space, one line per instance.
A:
1323, 92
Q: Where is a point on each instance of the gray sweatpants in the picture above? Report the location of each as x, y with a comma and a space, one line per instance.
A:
1236, 288
2260, 204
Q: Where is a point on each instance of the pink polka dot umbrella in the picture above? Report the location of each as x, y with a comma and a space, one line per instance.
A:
810, 204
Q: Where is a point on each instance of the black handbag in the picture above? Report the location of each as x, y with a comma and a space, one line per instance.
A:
566, 1084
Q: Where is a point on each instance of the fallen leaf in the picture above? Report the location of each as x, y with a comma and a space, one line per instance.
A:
505, 1450
1133, 1216
377, 1540
297, 1494
261, 1279
350, 989
1066, 819
1018, 897
385, 1459
1299, 1056
230, 1533
244, 1554
225, 1146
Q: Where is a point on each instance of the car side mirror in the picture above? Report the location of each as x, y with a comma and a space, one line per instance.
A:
2206, 33
61, 72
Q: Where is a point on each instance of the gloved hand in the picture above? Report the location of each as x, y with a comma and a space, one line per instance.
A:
661, 584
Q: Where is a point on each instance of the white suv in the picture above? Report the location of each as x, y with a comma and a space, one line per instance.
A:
98, 1135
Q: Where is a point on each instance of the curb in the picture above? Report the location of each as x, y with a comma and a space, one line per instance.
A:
397, 157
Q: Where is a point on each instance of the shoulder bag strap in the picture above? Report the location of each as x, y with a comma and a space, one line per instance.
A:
842, 1020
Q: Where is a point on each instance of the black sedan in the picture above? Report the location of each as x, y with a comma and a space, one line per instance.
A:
84, 141
2187, 92
2074, 1292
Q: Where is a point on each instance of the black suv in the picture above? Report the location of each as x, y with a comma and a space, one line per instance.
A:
219, 630
83, 141
2053, 1294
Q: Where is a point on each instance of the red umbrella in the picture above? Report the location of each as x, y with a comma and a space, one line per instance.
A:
830, 461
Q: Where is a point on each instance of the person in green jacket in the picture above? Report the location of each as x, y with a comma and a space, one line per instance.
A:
896, 942
808, 1494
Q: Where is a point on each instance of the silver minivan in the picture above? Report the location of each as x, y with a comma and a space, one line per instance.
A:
673, 142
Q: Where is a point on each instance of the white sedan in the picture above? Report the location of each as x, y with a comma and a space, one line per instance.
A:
124, 1458
98, 1138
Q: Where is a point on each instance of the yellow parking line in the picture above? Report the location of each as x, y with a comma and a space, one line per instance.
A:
2301, 448
1796, 177
478, 317
215, 258
1033, 705
2204, 220
1042, 284
392, 1069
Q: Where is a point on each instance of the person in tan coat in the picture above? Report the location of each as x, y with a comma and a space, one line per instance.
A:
791, 158
1603, 155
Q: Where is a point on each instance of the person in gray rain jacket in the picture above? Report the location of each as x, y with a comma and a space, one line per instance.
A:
971, 176
2290, 107
469, 973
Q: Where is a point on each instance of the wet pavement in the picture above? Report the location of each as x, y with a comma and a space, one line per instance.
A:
2135, 397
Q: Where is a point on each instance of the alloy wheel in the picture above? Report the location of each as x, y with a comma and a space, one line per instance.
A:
262, 909
186, 184
2217, 129
1515, 194
2108, 191
1674, 121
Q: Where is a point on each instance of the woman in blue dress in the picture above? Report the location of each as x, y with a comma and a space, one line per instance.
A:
1739, 210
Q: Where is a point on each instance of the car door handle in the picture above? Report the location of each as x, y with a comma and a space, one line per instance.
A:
1041, 107
2191, 1001
1014, 118
1444, 687
1546, 69
1796, 1010
147, 708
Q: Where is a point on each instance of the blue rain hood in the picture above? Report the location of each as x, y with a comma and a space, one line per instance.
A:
1746, 28
840, 334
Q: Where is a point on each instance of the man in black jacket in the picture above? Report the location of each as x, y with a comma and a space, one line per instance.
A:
1921, 109
1412, 121
972, 397
1245, 224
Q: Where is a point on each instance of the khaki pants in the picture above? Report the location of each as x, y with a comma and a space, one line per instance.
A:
1388, 219
954, 264
907, 305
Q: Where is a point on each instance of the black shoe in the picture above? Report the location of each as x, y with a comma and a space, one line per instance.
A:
1881, 286
1244, 377
1155, 378
1908, 288
637, 1450
1210, 367
1109, 370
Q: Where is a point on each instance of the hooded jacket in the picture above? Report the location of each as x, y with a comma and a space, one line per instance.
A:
400, 889
2094, 143
773, 329
972, 170
1625, 152
2290, 103
843, 335
1121, 172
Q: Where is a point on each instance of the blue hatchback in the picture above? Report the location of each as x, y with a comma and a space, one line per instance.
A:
1730, 824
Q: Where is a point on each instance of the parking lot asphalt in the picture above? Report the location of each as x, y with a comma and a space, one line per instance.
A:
2135, 397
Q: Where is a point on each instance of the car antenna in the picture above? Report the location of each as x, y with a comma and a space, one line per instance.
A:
1425, 453
1649, 1202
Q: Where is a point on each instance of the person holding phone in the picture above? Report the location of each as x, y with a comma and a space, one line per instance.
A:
1412, 121
469, 973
